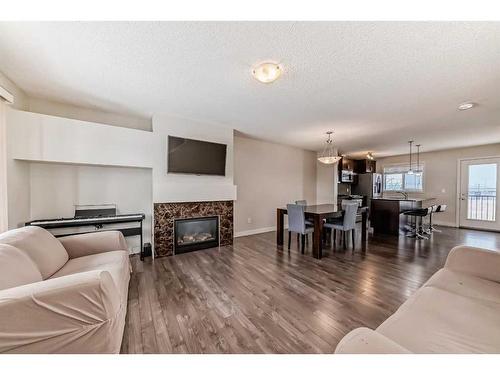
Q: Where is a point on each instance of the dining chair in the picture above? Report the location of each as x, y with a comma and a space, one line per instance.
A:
297, 224
348, 223
309, 222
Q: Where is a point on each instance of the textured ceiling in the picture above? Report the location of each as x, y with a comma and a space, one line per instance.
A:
376, 84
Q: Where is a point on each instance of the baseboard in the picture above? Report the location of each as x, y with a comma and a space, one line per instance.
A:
255, 231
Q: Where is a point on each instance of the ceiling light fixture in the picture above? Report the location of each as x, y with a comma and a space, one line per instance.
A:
329, 156
369, 155
267, 72
419, 170
466, 106
410, 171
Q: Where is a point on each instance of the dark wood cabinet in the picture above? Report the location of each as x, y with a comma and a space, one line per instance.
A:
346, 171
348, 164
365, 166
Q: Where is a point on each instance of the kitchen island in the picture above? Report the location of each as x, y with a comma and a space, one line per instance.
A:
386, 213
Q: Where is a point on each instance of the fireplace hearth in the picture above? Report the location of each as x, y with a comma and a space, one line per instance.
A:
195, 234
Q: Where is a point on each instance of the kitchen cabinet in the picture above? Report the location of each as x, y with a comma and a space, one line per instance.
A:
346, 164
365, 166
346, 171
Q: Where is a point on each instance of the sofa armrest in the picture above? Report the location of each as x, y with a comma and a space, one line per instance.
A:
475, 261
367, 341
69, 314
80, 245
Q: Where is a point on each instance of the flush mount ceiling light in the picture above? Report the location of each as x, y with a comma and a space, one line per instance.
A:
466, 106
329, 156
267, 72
369, 155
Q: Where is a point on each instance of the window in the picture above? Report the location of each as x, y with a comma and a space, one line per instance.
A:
393, 181
397, 178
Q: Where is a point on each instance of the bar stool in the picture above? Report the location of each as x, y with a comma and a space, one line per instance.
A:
435, 209
430, 228
418, 229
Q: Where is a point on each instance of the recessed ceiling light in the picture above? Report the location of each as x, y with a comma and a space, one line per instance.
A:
466, 106
267, 72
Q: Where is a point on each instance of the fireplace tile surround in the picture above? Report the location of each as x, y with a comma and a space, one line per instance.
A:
165, 213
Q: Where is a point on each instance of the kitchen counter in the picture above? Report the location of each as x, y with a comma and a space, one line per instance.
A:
404, 199
386, 213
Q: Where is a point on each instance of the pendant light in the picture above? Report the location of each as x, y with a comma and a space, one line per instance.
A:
418, 160
328, 156
410, 171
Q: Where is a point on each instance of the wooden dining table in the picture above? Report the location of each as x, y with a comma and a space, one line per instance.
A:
317, 214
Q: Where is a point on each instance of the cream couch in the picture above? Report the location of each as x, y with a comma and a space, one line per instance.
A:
62, 296
456, 311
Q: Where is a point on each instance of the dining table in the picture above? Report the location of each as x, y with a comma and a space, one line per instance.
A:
318, 214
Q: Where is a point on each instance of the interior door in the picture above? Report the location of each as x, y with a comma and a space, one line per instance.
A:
479, 187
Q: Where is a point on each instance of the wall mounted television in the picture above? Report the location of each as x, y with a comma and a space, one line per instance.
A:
191, 156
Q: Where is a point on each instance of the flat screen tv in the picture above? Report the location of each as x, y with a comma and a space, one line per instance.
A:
196, 157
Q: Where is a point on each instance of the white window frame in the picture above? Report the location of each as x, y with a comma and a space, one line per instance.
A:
402, 169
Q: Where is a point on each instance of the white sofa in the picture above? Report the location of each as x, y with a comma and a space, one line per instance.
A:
62, 296
456, 311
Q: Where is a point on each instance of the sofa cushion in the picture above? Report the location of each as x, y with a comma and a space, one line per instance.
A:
16, 268
434, 320
40, 245
465, 285
115, 262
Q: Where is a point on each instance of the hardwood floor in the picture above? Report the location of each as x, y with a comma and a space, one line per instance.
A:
254, 298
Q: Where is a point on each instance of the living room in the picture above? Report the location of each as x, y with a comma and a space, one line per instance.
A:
168, 189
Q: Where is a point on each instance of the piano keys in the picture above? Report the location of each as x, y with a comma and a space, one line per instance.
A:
93, 220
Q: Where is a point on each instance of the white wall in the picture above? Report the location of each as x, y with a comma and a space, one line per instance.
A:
190, 188
56, 188
18, 173
440, 175
326, 183
268, 176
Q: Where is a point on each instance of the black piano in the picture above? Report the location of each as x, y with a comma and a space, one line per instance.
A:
94, 218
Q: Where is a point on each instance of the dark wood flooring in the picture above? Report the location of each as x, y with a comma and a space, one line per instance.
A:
255, 298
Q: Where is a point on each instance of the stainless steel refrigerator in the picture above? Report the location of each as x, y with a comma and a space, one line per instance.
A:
369, 185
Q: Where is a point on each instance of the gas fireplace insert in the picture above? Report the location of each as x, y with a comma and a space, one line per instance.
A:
195, 234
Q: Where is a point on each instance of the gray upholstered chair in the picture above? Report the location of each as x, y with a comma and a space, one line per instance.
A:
297, 223
308, 222
348, 223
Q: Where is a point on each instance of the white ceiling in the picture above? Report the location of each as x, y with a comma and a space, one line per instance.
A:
376, 84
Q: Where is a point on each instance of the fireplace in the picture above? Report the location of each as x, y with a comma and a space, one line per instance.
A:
165, 214
195, 234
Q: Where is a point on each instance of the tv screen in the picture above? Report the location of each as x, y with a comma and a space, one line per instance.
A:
196, 157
